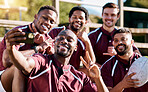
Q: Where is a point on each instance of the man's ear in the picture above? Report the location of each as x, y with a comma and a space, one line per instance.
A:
118, 16
35, 16
69, 20
132, 41
76, 47
86, 21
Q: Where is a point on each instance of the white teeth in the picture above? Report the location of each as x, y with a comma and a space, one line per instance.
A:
109, 21
76, 24
48, 26
120, 47
62, 48
44, 27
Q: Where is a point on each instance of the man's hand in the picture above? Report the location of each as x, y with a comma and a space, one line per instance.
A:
111, 51
13, 36
83, 35
94, 70
39, 38
46, 46
127, 82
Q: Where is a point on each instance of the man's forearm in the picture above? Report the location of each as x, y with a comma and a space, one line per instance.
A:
19, 60
100, 85
118, 88
90, 50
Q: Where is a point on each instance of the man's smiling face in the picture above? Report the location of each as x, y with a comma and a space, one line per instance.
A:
65, 43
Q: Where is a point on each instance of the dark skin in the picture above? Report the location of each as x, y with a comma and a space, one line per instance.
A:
43, 23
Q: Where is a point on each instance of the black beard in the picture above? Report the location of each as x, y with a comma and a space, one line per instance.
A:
74, 29
64, 54
123, 52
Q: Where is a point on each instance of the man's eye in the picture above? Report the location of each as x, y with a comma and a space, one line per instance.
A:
69, 40
45, 18
123, 39
61, 38
52, 22
81, 18
74, 17
115, 40
113, 15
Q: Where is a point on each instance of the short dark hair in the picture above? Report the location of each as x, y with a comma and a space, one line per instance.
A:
111, 5
122, 30
48, 7
81, 9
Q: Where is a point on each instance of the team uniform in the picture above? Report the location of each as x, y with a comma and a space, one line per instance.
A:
100, 40
25, 28
75, 58
114, 70
49, 75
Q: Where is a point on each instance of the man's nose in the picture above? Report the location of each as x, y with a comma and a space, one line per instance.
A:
78, 19
109, 17
120, 41
64, 41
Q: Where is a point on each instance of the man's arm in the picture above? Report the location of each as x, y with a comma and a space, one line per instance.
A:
84, 37
17, 58
22, 63
5, 59
94, 72
127, 82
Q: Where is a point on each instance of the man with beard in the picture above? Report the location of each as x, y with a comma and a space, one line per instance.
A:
114, 71
43, 22
78, 17
52, 73
101, 38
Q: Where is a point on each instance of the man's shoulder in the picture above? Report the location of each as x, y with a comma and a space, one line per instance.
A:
94, 32
55, 31
24, 28
40, 56
77, 72
109, 61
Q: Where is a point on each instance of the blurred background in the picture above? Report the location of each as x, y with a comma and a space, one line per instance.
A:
134, 15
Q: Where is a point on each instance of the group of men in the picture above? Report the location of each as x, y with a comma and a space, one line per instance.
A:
54, 66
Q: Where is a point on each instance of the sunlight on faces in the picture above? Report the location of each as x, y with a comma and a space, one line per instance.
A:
65, 43
110, 17
45, 20
77, 20
122, 43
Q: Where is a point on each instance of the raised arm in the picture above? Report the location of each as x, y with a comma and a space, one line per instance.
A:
17, 58
84, 37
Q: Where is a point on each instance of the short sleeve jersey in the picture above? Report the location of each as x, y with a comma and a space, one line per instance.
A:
100, 40
75, 58
114, 70
25, 28
49, 75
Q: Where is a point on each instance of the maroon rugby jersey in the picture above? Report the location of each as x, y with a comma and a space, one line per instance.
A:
25, 28
114, 70
75, 58
49, 75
